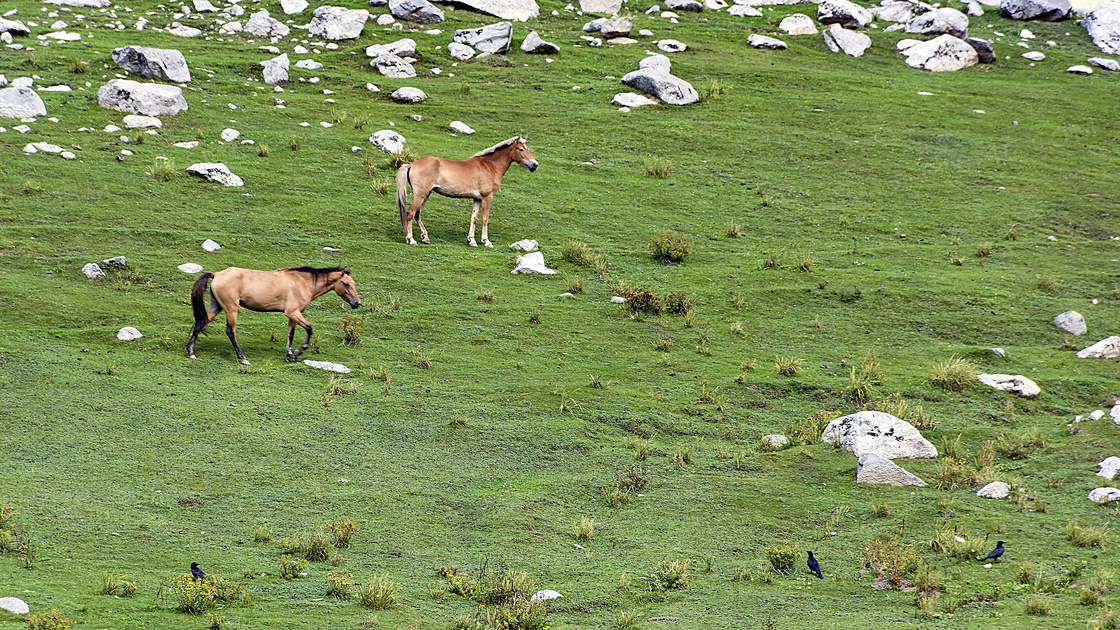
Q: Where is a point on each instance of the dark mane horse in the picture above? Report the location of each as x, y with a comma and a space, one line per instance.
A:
285, 290
477, 178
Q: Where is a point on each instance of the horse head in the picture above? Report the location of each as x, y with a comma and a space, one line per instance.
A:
346, 289
521, 154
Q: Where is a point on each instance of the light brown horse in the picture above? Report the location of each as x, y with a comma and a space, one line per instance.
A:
477, 178
286, 290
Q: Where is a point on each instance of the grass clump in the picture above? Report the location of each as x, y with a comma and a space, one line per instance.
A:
955, 374
262, 150
262, 533
670, 246
406, 155
1038, 605
291, 567
350, 329
50, 620
577, 252
891, 560
714, 89
669, 575
584, 529
787, 366
1048, 283
340, 532
79, 66
195, 597
163, 170
380, 593
1020, 446
782, 556
658, 168
1088, 537
113, 583
642, 300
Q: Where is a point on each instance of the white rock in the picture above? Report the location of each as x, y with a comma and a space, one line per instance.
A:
401, 48
994, 490
1104, 495
128, 333
210, 245
630, 99
1100, 62
20, 102
184, 31
409, 95
876, 469
879, 433
742, 10
158, 64
852, 43
215, 172
1034, 55
393, 67
388, 141
662, 85
762, 41
618, 299
326, 365
93, 270
308, 64
148, 99
276, 70
775, 441
532, 263
116, 261
941, 54
526, 245
133, 121
1071, 322
14, 605
1107, 348
1013, 384
798, 24
671, 46
187, 145
544, 595
462, 52
229, 135
461, 127
261, 24
1114, 413
492, 38
1109, 468
338, 22
1079, 69
292, 7
1096, 415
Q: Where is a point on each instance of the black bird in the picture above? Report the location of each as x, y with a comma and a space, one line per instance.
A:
197, 572
814, 566
994, 554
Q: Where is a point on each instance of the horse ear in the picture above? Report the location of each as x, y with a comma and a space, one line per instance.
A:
347, 271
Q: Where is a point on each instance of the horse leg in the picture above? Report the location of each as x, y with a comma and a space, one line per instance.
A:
423, 230
474, 216
201, 319
294, 318
231, 331
419, 198
486, 220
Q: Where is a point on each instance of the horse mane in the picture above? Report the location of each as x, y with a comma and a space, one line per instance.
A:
501, 145
317, 272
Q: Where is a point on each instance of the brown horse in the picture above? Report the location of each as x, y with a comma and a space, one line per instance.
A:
477, 178
286, 290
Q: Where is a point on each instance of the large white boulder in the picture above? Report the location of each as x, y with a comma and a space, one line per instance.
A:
338, 22
875, 469
129, 333
762, 41
616, 27
939, 22
841, 39
1071, 322
534, 45
157, 64
215, 172
1109, 468
263, 25
393, 67
662, 85
292, 7
409, 95
132, 121
1011, 383
1107, 348
401, 48
798, 24
148, 99
514, 10
532, 263
20, 102
842, 12
879, 433
13, 27
994, 490
608, 7
1103, 26
941, 54
1104, 495
388, 141
1041, 10
276, 70
14, 605
492, 38
419, 11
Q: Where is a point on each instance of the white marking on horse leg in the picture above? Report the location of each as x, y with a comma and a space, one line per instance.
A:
474, 216
244, 361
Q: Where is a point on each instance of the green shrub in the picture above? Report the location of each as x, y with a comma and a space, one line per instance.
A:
577, 252
787, 366
658, 168
955, 374
339, 583
1086, 536
890, 559
163, 170
679, 304
584, 529
670, 246
1038, 605
669, 575
291, 567
1020, 446
50, 620
783, 555
379, 593
113, 583
262, 533
642, 300
407, 155
350, 328
341, 531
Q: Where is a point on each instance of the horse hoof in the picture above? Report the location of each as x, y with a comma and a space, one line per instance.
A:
426, 241
488, 244
411, 241
192, 357
244, 361
472, 243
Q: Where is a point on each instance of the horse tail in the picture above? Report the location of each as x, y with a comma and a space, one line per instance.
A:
402, 192
198, 298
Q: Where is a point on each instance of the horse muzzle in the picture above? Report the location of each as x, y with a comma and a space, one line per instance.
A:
531, 165
355, 303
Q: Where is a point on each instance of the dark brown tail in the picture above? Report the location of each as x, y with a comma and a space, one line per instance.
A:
198, 298
402, 192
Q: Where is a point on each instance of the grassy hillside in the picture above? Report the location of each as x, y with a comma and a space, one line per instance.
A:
837, 214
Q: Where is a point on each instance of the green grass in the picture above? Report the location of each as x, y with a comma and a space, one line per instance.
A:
131, 459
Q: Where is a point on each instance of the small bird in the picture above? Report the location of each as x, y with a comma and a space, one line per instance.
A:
994, 554
815, 566
197, 572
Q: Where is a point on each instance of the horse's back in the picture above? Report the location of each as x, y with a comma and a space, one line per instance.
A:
452, 178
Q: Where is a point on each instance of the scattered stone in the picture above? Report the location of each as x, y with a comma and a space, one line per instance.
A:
190, 268
187, 145
657, 62
215, 172
13, 27
401, 48
852, 43
1109, 468
1108, 348
618, 299
984, 51
1114, 413
148, 99
1103, 26
762, 41
846, 14
1107, 64
532, 263
877, 469
385, 19
939, 22
157, 64
533, 44
1071, 322
898, 12
14, 605
116, 261
1034, 55
128, 333
1041, 10
609, 7
774, 441
327, 365
1104, 495
462, 52
566, 296
292, 7
308, 64
461, 127
388, 141
210, 246
662, 85
798, 24
616, 27
671, 46
515, 10
974, 9
20, 102
684, 5
493, 38
409, 95
526, 245
594, 25
941, 54
994, 490
630, 99
1080, 70
1012, 384
261, 24
393, 67
338, 22
879, 433
229, 135
742, 10
1096, 415
419, 11
132, 121
544, 595
93, 271
184, 31
276, 70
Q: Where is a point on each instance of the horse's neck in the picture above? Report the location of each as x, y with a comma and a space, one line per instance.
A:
499, 161
322, 286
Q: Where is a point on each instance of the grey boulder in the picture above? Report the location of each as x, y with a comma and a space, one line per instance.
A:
879, 433
1107, 64
798, 24
532, 263
1104, 495
514, 10
684, 5
994, 490
1012, 384
215, 172
939, 22
841, 39
533, 44
276, 70
409, 95
15, 27
338, 22
616, 27
393, 67
600, 6
1103, 26
984, 51
630, 99
401, 48
661, 63
148, 99
157, 64
492, 38
14, 605
1109, 468
899, 12
842, 12
388, 141
262, 25
876, 469
762, 41
1070, 321
1041, 10
662, 85
419, 11
941, 54
1108, 348
20, 102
